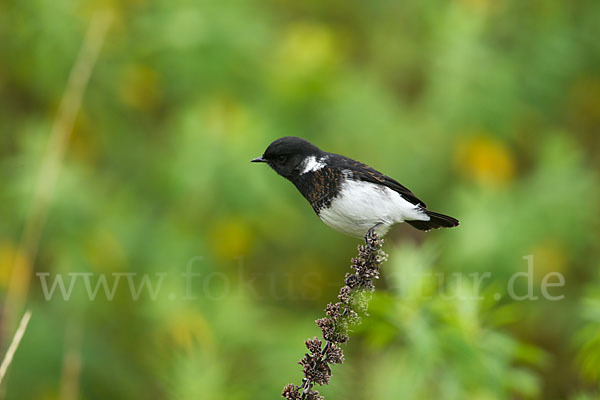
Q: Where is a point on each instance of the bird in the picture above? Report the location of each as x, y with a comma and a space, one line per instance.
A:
347, 195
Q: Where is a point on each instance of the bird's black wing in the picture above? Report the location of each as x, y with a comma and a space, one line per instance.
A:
365, 173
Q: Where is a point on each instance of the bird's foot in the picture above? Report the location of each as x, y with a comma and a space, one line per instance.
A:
371, 235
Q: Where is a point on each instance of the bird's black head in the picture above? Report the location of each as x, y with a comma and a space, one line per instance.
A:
286, 155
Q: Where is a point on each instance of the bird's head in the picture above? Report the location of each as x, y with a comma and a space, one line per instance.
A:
288, 155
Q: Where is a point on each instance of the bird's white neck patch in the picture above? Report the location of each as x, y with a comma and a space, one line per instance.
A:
311, 164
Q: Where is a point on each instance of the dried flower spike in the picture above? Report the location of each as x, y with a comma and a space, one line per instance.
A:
340, 317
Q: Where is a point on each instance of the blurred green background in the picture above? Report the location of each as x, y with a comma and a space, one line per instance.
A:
488, 110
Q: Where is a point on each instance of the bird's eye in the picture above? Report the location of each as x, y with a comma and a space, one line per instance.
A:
282, 159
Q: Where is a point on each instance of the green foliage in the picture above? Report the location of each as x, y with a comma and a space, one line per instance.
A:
489, 111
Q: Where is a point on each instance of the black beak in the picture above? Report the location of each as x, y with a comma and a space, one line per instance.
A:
258, 159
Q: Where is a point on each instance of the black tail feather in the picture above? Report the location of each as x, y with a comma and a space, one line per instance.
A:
436, 221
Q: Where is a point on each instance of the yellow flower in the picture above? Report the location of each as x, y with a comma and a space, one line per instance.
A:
485, 160
8, 255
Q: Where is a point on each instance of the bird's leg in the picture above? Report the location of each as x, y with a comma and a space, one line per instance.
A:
370, 234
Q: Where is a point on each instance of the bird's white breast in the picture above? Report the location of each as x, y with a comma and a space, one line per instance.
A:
361, 205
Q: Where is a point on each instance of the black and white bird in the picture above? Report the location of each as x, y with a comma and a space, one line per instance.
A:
347, 195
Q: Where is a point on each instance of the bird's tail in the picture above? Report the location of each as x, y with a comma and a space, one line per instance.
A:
436, 220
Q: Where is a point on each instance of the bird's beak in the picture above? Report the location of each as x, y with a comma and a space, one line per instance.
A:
258, 159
